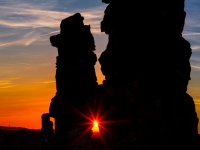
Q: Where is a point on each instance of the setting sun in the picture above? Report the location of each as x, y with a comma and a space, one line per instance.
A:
95, 128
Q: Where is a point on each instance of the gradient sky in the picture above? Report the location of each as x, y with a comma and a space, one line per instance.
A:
27, 59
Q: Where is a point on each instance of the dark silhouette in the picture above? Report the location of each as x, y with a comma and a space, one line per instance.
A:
75, 79
18, 138
147, 69
143, 98
47, 132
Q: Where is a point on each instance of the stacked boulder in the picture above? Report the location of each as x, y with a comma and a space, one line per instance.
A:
75, 78
147, 70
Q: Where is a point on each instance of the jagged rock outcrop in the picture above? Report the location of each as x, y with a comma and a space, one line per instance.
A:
75, 78
147, 69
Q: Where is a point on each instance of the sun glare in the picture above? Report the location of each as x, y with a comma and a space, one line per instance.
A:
95, 122
95, 130
95, 127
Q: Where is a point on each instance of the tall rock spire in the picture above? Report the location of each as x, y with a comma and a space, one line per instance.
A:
75, 79
146, 51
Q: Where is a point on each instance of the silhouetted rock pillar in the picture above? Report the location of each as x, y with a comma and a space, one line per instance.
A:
147, 56
75, 78
47, 132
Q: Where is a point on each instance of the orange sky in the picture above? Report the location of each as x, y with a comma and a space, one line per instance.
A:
24, 104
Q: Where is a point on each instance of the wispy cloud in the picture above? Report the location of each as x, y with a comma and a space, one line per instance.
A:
6, 84
51, 32
192, 22
195, 47
196, 59
45, 82
191, 34
6, 87
197, 103
41, 21
28, 38
195, 67
20, 16
11, 43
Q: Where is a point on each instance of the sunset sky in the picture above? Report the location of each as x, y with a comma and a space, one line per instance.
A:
27, 59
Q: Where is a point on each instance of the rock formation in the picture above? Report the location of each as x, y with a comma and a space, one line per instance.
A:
47, 133
75, 78
143, 100
147, 70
